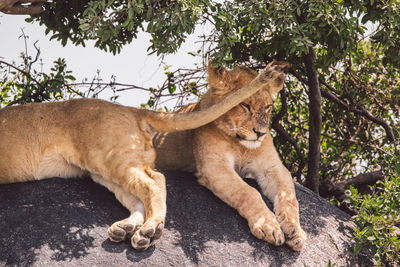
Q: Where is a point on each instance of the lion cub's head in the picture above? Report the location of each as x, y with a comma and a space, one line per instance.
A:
248, 122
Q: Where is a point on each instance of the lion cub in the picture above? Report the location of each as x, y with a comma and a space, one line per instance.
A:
111, 142
239, 143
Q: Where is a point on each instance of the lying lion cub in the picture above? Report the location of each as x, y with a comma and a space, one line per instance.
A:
239, 143
111, 142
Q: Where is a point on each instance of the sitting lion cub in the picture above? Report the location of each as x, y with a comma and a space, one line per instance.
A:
111, 142
239, 143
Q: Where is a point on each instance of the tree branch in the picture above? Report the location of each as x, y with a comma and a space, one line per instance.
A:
328, 188
21, 7
356, 109
35, 95
22, 71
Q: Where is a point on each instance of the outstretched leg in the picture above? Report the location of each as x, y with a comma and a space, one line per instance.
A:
277, 184
228, 186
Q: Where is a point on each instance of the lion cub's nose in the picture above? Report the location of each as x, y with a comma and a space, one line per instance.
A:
258, 133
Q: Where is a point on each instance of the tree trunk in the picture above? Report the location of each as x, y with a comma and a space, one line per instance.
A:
315, 124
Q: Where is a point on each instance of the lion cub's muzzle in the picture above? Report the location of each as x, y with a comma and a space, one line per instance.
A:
257, 135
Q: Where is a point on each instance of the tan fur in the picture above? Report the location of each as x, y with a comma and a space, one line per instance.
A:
230, 147
111, 142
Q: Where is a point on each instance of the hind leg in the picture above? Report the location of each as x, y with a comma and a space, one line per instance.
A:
125, 228
152, 191
149, 186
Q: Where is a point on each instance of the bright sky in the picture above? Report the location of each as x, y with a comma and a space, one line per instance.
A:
131, 66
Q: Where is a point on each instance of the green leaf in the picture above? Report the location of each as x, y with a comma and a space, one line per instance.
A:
172, 89
357, 248
131, 13
84, 26
125, 23
149, 13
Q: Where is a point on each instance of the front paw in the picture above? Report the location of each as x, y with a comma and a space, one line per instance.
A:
267, 228
295, 236
298, 239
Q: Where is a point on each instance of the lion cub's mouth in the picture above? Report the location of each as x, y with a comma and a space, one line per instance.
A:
251, 144
239, 137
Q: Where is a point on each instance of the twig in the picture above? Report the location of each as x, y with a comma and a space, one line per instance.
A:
358, 110
36, 57
353, 108
42, 88
282, 133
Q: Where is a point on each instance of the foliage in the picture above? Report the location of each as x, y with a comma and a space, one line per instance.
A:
330, 264
350, 143
244, 30
26, 82
378, 215
20, 85
115, 23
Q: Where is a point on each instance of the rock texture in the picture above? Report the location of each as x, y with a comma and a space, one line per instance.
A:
59, 222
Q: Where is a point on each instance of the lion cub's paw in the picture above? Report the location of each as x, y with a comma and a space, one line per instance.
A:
266, 227
297, 241
147, 234
275, 70
295, 236
119, 231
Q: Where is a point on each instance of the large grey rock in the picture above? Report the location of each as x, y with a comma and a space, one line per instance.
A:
60, 222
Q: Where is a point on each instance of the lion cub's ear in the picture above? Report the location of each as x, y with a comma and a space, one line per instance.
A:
216, 77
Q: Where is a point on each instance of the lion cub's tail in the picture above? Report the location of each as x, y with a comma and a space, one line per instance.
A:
170, 122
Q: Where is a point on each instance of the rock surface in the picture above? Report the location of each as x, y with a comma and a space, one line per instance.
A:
59, 222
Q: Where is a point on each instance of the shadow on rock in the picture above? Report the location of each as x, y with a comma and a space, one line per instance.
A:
64, 222
125, 247
55, 216
202, 220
